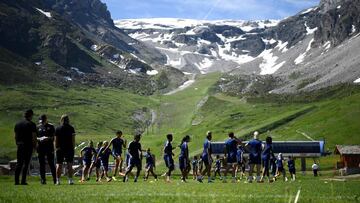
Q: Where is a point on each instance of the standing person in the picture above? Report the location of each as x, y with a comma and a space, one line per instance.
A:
117, 146
315, 169
150, 165
134, 150
64, 145
87, 154
265, 157
291, 166
280, 166
103, 155
254, 146
46, 132
184, 158
217, 167
25, 138
206, 158
230, 154
168, 156
273, 166
240, 161
195, 167
96, 162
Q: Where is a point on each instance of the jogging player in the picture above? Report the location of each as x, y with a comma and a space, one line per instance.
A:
265, 157
150, 165
87, 154
206, 158
168, 156
184, 158
134, 150
117, 146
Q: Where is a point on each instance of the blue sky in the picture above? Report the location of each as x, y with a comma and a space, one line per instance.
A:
207, 9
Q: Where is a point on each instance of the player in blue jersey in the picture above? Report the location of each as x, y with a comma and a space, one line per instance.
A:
206, 158
150, 165
280, 167
291, 166
87, 154
96, 163
217, 167
118, 143
240, 161
230, 154
273, 166
103, 155
168, 156
135, 155
184, 161
265, 158
254, 147
195, 167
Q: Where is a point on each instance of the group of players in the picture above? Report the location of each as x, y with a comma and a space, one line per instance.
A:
61, 142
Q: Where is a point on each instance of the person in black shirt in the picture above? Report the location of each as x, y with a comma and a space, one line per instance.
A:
25, 137
64, 144
45, 148
134, 150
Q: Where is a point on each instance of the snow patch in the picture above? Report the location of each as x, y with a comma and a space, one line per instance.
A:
224, 53
152, 72
271, 41
309, 30
357, 80
301, 57
269, 66
174, 63
204, 65
309, 10
353, 29
282, 46
94, 47
77, 70
47, 14
182, 87
327, 45
67, 78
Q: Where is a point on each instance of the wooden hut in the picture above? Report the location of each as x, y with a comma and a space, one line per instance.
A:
349, 159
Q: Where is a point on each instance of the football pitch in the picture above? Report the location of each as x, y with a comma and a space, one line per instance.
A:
304, 189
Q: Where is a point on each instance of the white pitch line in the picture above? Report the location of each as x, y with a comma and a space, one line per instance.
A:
305, 135
297, 196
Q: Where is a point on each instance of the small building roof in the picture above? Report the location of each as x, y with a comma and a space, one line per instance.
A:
347, 149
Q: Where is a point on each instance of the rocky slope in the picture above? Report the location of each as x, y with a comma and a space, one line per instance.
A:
68, 41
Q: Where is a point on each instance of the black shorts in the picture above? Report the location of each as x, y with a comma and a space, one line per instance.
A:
135, 162
67, 155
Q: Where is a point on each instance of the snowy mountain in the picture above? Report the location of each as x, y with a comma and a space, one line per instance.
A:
315, 48
199, 46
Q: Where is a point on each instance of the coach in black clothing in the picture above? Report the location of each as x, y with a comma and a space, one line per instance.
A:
64, 144
45, 148
25, 137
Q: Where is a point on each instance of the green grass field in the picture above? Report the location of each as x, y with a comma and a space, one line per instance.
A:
97, 113
151, 191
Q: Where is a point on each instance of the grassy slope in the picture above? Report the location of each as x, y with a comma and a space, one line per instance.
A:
95, 112
98, 112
